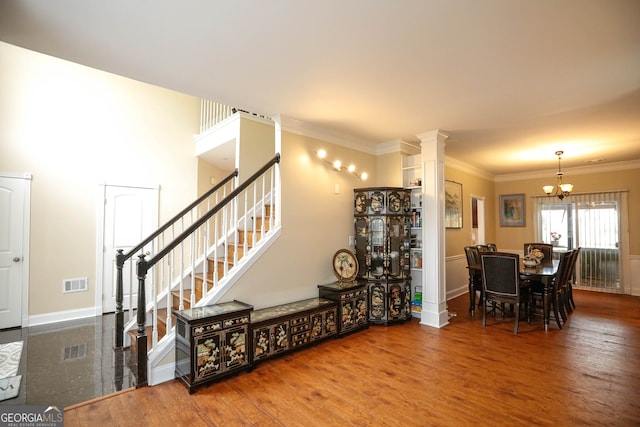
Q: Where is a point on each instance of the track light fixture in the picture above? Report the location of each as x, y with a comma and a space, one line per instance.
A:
337, 165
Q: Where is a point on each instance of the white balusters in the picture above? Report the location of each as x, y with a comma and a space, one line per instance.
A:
212, 113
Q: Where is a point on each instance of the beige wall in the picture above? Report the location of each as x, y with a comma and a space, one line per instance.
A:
315, 223
472, 185
389, 170
206, 173
514, 237
256, 147
72, 128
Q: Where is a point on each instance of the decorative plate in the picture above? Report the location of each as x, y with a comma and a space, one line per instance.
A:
345, 265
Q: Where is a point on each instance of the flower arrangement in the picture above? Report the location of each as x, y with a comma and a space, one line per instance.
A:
533, 257
555, 236
536, 254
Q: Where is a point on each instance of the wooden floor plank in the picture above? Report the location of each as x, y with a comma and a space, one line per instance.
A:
588, 373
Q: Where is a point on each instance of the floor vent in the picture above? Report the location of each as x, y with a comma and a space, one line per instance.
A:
74, 285
75, 351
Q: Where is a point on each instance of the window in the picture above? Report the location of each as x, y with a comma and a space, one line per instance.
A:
591, 222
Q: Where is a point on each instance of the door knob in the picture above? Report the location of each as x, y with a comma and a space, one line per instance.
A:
17, 259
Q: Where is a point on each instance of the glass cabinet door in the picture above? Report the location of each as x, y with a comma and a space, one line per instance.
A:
377, 246
397, 239
362, 242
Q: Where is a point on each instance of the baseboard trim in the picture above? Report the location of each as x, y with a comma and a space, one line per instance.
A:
61, 316
161, 374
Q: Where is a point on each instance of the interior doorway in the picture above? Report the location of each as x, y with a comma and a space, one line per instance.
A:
130, 215
477, 220
15, 202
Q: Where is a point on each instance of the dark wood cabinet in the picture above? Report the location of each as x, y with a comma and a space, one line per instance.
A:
351, 298
212, 342
276, 330
382, 219
390, 300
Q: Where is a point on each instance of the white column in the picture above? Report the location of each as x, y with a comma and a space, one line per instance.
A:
434, 295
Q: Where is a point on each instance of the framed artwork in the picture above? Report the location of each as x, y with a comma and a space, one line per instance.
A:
512, 210
452, 204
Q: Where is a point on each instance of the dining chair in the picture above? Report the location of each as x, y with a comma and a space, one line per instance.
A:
545, 248
492, 247
571, 280
501, 284
554, 302
547, 251
475, 279
483, 248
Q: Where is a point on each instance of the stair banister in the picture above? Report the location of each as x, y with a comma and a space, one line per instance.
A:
141, 337
181, 214
239, 189
143, 266
121, 258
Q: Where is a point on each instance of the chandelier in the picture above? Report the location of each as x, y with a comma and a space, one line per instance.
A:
561, 190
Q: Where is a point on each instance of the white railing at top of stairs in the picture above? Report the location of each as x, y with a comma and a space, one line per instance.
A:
213, 113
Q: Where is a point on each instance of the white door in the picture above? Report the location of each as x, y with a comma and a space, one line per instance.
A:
14, 192
130, 215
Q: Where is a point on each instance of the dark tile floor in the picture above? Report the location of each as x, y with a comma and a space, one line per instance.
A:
69, 362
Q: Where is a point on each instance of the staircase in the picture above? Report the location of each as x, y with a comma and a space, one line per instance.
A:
194, 259
215, 266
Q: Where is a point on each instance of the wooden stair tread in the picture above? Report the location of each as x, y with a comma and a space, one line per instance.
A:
262, 225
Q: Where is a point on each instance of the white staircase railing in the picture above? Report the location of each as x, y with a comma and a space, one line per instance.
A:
193, 256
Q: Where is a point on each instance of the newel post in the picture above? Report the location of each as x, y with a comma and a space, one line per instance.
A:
141, 338
119, 296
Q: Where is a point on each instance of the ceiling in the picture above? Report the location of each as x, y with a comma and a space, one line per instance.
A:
510, 81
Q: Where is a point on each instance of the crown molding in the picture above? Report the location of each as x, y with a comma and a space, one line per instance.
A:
466, 167
435, 135
299, 127
398, 145
576, 170
302, 128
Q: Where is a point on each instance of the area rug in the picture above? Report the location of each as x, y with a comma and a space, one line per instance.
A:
10, 359
10, 387
9, 363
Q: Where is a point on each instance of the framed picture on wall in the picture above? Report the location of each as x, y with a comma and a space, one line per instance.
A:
452, 204
512, 210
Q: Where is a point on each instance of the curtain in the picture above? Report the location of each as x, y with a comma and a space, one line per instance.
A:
596, 223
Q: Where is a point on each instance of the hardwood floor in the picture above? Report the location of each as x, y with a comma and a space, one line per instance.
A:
413, 375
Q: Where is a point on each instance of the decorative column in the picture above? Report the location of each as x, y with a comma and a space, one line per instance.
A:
434, 295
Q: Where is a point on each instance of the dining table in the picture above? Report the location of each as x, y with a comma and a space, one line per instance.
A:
543, 273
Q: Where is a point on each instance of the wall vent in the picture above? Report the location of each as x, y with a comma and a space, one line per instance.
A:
77, 351
74, 285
